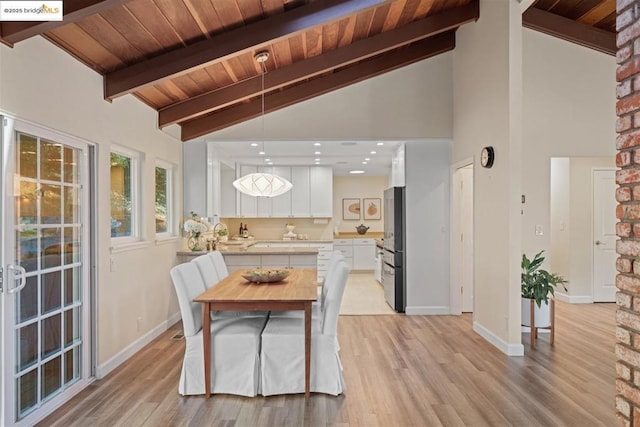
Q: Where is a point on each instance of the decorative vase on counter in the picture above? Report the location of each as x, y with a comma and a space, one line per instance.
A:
196, 243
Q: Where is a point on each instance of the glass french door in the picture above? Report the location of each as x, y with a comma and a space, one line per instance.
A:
46, 295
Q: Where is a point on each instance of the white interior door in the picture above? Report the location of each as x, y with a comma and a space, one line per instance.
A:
462, 281
466, 235
604, 236
45, 303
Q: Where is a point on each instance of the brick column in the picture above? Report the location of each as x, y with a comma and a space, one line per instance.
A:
628, 213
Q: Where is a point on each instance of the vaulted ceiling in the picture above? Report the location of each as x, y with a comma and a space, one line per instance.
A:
193, 60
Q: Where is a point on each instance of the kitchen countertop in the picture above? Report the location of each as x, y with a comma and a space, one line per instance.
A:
248, 248
354, 235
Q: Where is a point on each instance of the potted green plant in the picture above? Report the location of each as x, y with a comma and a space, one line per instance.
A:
223, 234
537, 285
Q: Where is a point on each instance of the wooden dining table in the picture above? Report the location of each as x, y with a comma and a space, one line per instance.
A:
296, 292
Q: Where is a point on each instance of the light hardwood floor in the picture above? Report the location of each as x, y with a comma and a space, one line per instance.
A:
399, 370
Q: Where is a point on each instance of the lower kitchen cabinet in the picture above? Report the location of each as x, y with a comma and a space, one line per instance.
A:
360, 254
247, 262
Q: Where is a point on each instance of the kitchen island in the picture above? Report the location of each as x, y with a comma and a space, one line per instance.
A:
271, 254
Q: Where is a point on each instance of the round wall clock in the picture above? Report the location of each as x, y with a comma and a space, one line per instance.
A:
487, 156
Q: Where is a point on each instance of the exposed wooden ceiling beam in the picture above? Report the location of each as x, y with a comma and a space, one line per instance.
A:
319, 64
353, 74
72, 10
567, 29
232, 43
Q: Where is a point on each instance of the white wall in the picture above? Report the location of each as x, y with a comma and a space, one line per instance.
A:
359, 187
569, 109
487, 72
427, 226
42, 84
411, 102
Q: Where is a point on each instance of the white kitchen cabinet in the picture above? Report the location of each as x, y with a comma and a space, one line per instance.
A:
281, 205
247, 205
264, 204
227, 206
364, 254
345, 246
311, 195
360, 254
321, 191
267, 261
300, 191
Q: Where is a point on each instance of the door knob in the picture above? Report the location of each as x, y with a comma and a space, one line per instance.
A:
598, 243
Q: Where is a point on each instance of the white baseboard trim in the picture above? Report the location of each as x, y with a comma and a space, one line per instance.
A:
527, 330
499, 343
428, 310
574, 299
135, 346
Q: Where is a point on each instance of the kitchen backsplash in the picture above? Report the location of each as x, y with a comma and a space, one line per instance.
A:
274, 228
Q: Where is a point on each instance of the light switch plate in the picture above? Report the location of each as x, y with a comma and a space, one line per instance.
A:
538, 230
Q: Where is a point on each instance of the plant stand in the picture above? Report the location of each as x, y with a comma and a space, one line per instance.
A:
534, 329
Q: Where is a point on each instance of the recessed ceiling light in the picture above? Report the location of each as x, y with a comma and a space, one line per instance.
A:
355, 172
317, 144
317, 153
367, 159
262, 153
267, 160
254, 144
269, 163
373, 152
364, 163
380, 143
317, 163
316, 160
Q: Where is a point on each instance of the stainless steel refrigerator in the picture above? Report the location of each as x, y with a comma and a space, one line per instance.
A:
393, 271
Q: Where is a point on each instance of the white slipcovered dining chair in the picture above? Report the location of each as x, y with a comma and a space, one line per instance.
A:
218, 262
282, 355
235, 356
210, 276
318, 306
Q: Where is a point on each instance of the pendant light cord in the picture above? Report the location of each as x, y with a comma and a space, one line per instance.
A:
262, 67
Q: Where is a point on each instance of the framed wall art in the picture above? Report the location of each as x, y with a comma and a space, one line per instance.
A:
371, 208
351, 209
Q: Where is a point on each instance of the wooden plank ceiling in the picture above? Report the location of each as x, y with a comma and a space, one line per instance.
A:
590, 23
193, 60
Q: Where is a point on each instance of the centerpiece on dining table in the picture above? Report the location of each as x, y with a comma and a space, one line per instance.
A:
265, 276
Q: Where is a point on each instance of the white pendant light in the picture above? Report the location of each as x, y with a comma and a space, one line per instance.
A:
262, 184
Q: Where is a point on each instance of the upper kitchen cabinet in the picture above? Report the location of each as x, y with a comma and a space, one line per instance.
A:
300, 192
281, 205
321, 192
311, 195
398, 167
247, 205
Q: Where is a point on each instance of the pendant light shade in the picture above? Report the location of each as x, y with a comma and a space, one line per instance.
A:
262, 185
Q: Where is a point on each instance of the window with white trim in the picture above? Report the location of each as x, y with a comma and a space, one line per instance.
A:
164, 199
125, 190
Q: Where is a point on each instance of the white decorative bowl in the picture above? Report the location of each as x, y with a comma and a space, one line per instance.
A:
265, 276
